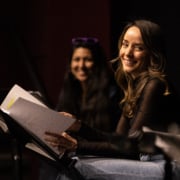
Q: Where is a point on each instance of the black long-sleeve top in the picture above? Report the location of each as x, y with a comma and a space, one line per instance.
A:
154, 109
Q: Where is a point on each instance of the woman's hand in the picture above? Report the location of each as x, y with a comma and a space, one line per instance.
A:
75, 126
63, 141
67, 114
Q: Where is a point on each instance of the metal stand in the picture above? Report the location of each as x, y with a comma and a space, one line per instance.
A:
17, 160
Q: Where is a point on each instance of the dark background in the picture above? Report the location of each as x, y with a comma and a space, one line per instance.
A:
35, 39
35, 36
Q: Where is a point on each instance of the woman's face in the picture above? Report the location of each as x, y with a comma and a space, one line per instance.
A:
132, 52
81, 63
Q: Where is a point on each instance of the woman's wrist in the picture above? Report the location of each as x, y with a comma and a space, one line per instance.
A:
76, 126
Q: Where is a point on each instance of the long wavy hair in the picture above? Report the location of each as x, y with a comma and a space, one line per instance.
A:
95, 108
155, 65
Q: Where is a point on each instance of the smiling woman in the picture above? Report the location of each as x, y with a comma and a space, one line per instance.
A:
133, 52
146, 102
89, 94
88, 81
81, 64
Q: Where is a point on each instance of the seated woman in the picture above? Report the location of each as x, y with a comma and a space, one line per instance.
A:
89, 93
148, 101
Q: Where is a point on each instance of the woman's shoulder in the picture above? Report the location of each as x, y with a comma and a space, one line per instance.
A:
165, 85
156, 80
156, 83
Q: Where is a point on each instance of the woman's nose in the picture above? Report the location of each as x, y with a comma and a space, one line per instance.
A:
81, 63
129, 51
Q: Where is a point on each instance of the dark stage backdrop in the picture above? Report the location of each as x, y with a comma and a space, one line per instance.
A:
35, 37
166, 13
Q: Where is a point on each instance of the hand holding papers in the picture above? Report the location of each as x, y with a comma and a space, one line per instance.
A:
35, 118
62, 141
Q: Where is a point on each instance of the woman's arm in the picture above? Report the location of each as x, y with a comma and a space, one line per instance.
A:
149, 105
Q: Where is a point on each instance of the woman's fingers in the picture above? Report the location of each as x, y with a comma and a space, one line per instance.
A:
61, 140
67, 114
67, 136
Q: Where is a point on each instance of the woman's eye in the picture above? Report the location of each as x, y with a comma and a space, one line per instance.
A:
124, 44
76, 59
139, 48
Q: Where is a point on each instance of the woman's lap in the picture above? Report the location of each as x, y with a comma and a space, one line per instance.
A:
113, 169
109, 168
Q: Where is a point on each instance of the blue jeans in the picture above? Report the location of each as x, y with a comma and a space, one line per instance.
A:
120, 169
96, 168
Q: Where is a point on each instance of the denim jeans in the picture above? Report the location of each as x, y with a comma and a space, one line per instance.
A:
95, 168
120, 169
